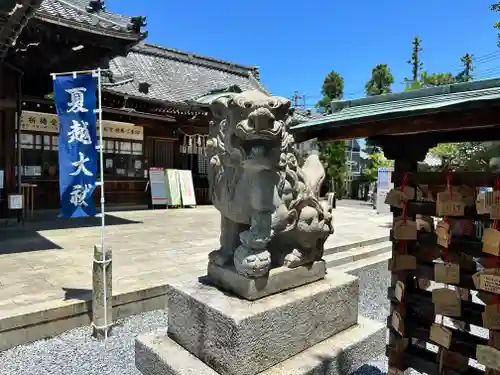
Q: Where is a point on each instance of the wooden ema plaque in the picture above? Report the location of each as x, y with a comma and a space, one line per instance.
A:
398, 197
404, 228
447, 253
491, 242
488, 280
447, 302
450, 204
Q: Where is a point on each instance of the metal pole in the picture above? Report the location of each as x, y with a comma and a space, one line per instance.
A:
18, 145
103, 222
77, 72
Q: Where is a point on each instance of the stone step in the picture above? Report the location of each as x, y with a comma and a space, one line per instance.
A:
356, 254
333, 249
340, 354
366, 262
230, 334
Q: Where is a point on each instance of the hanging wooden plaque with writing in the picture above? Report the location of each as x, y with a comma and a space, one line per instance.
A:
488, 280
449, 204
447, 273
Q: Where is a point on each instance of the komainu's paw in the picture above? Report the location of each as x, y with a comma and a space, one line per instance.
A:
295, 259
252, 263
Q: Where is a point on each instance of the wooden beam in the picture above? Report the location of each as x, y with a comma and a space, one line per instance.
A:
419, 303
425, 361
429, 209
461, 342
472, 179
480, 117
125, 112
7, 104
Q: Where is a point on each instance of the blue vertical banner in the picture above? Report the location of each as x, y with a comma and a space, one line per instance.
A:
75, 100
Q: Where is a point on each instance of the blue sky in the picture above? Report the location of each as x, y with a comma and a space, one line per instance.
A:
296, 43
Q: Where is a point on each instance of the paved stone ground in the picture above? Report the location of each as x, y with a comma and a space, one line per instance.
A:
75, 352
48, 263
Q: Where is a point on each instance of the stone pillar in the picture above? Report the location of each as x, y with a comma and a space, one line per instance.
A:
101, 306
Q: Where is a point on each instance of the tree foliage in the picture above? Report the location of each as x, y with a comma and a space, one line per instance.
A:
416, 64
377, 160
332, 89
496, 8
436, 79
426, 79
465, 156
380, 81
466, 74
333, 156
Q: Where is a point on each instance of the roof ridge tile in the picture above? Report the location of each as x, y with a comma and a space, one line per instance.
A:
192, 57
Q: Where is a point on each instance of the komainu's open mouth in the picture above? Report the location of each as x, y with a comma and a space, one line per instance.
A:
255, 149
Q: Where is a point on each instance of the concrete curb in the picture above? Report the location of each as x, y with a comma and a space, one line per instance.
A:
50, 319
352, 245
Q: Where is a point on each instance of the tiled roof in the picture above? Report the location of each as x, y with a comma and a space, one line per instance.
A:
406, 104
170, 75
74, 13
303, 115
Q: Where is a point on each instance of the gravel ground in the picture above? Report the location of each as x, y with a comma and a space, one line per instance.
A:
77, 353
373, 304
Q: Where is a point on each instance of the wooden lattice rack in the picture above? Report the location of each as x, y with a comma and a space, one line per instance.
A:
445, 273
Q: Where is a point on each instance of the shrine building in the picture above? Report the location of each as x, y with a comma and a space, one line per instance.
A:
151, 117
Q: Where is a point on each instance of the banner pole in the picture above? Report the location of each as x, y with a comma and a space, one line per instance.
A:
103, 222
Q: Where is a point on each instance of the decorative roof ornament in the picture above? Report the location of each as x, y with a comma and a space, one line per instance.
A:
96, 6
144, 87
136, 23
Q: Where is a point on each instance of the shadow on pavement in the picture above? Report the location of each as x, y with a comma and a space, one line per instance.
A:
81, 294
25, 238
369, 370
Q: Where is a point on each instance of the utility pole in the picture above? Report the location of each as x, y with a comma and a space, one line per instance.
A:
299, 101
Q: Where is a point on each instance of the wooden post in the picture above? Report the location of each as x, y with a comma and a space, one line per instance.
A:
406, 153
102, 306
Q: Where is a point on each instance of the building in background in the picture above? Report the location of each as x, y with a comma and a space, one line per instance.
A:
151, 114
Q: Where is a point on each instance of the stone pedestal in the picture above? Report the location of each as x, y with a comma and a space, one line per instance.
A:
310, 328
278, 280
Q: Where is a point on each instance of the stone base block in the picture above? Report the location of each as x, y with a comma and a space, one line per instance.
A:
278, 280
238, 337
341, 354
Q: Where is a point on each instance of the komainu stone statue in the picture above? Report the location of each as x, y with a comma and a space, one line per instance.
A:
266, 305
270, 207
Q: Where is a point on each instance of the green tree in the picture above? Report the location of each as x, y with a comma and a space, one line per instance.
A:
436, 79
332, 89
496, 8
380, 81
416, 64
333, 156
464, 156
466, 74
377, 160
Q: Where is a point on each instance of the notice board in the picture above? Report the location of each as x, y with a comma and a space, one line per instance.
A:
173, 187
158, 186
187, 188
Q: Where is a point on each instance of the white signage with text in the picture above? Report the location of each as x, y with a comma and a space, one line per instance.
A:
49, 123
